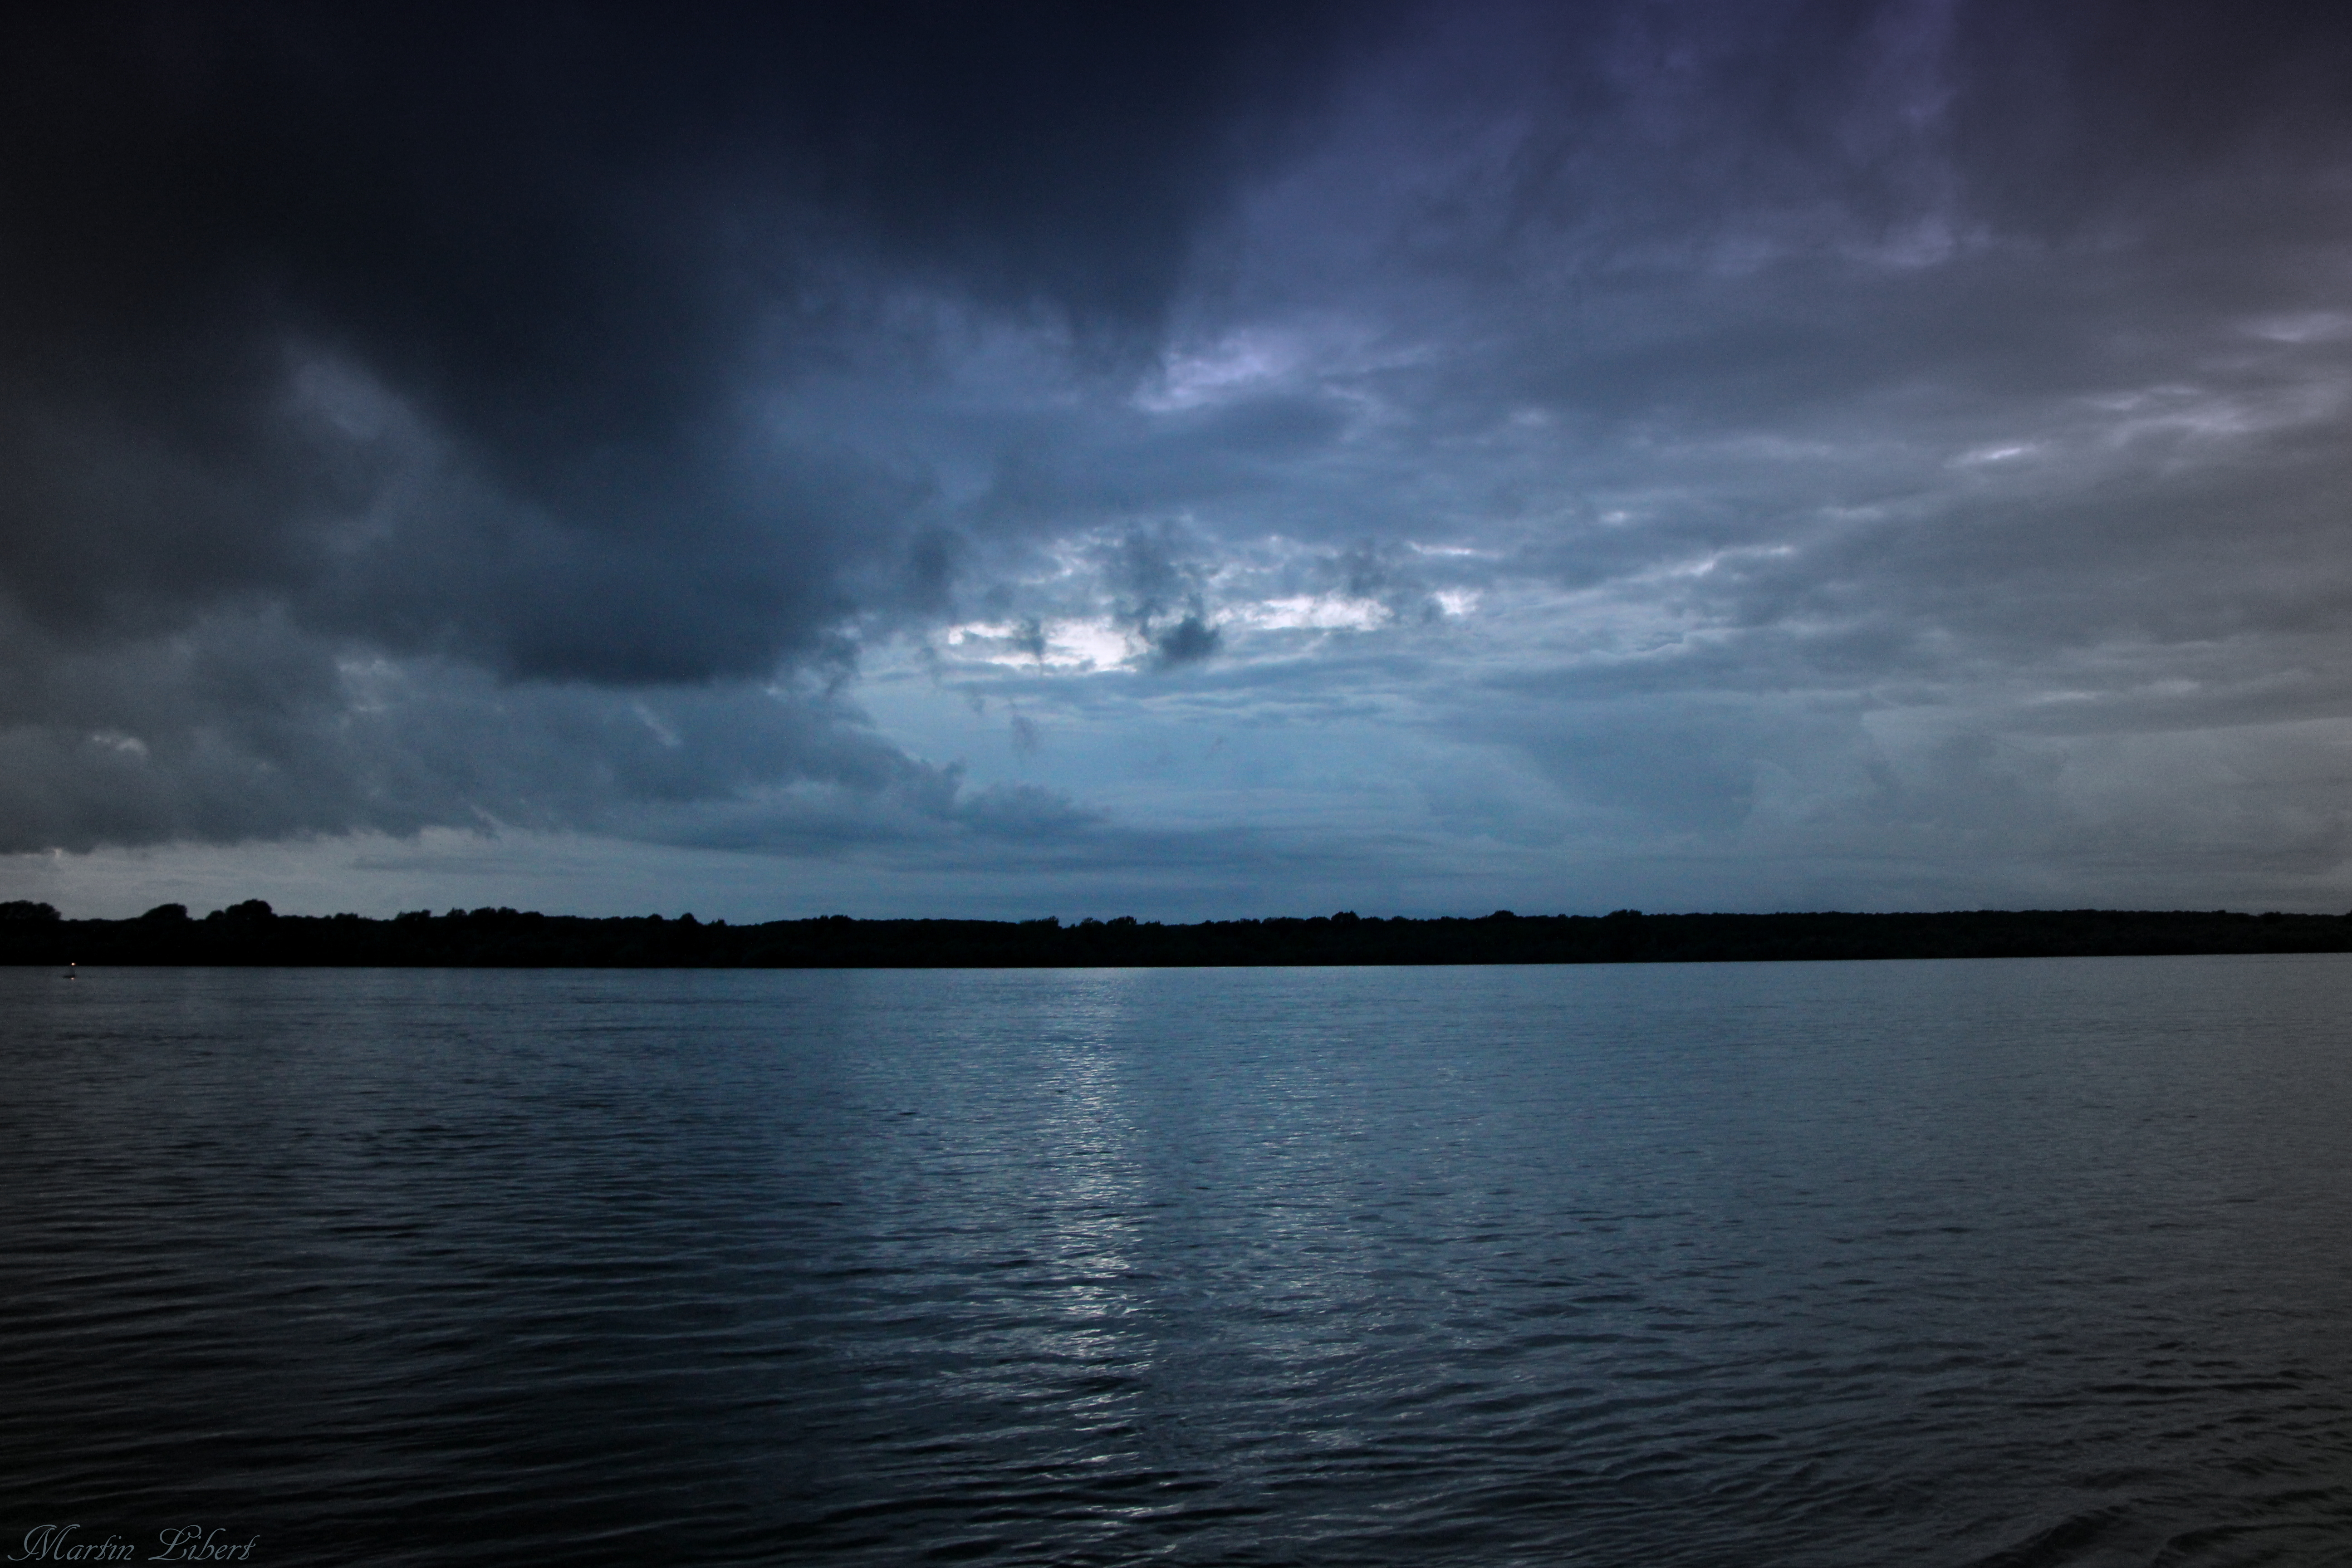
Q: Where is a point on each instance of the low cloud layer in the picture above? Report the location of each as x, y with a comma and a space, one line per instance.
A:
1194, 459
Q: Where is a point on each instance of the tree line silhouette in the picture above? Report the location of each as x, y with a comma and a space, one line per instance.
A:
252, 933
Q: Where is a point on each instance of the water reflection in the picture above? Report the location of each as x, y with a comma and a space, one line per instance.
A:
1834, 1263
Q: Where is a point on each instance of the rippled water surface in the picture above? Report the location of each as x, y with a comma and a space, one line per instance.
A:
1970, 1262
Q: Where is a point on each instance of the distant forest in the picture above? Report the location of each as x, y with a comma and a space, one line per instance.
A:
251, 933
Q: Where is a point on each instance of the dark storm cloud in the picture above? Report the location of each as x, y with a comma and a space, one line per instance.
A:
438, 332
234, 729
563, 240
2078, 118
1766, 422
1637, 133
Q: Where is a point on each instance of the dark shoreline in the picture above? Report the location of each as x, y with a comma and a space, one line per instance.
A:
249, 934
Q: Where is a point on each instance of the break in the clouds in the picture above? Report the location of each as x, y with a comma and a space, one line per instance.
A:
1181, 460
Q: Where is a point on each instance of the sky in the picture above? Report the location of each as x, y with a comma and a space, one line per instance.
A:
1182, 460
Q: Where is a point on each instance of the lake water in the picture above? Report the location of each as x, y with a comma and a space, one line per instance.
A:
1997, 1263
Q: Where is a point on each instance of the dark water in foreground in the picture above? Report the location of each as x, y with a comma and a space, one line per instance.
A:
2016, 1263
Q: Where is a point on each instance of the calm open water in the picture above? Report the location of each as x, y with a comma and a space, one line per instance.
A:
2013, 1263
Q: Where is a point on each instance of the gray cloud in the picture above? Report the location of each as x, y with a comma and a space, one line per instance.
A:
1787, 450
557, 252
446, 337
